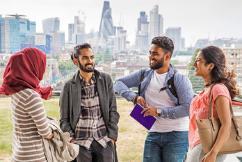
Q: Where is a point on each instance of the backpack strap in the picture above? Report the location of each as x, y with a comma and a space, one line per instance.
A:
142, 76
171, 86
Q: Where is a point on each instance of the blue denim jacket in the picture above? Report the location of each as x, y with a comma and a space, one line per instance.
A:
182, 84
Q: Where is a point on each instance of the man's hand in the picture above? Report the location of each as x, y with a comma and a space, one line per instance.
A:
71, 139
113, 141
149, 111
140, 100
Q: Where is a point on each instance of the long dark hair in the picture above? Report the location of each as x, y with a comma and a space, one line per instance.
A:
220, 73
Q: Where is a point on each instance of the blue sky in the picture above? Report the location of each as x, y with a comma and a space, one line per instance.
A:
198, 18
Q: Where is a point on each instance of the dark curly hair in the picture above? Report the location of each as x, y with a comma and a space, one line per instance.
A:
220, 73
164, 42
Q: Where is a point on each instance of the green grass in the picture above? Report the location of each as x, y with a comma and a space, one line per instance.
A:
131, 134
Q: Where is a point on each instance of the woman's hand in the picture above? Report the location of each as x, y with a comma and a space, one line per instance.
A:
210, 157
50, 136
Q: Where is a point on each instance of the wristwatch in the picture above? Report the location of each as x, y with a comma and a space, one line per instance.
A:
158, 112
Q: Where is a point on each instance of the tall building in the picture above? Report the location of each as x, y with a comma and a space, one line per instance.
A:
16, 33
117, 42
175, 35
120, 39
55, 39
51, 25
79, 25
43, 42
156, 23
106, 27
201, 43
58, 42
79, 30
70, 32
142, 32
234, 62
1, 33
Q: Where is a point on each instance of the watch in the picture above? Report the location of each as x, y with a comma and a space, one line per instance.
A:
158, 112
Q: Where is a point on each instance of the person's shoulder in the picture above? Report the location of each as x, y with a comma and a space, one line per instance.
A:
220, 87
178, 76
29, 92
31, 95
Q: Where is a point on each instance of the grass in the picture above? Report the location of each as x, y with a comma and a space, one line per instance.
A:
131, 134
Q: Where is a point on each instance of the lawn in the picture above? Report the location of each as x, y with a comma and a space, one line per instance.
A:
131, 134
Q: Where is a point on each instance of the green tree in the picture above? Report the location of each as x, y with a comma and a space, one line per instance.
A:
197, 82
66, 67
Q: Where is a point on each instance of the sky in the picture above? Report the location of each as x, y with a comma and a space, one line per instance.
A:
197, 18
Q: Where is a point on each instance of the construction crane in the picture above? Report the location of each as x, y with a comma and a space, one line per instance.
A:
17, 16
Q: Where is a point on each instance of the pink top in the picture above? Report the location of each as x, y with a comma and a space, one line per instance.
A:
199, 110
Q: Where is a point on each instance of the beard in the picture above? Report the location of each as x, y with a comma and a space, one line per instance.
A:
157, 64
86, 68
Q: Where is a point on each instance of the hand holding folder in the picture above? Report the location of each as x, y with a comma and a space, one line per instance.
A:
147, 121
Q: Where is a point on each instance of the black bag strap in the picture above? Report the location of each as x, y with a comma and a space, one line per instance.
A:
142, 76
170, 83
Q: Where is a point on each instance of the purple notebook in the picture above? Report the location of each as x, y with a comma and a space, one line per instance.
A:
147, 121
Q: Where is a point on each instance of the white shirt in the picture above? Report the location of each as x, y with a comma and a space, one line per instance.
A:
158, 99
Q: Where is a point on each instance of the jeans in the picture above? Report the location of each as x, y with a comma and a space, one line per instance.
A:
166, 147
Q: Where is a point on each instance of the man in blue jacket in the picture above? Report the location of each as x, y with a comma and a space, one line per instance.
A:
165, 94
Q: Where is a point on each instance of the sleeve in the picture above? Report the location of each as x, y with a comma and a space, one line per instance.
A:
185, 94
220, 90
64, 104
122, 86
113, 114
35, 108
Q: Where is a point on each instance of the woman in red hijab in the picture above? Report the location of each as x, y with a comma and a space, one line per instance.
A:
21, 79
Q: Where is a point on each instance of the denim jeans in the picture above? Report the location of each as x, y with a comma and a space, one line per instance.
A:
166, 147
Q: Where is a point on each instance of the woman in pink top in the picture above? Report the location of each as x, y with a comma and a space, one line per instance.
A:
210, 65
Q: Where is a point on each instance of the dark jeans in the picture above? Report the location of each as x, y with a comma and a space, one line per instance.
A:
166, 147
96, 153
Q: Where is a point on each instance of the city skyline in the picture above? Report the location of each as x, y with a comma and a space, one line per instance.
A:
198, 19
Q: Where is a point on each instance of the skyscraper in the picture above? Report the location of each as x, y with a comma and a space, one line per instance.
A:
175, 35
58, 42
120, 39
55, 38
106, 27
78, 36
51, 25
70, 32
142, 32
156, 23
1, 33
16, 33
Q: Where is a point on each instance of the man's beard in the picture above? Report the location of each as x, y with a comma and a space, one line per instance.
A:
157, 64
87, 69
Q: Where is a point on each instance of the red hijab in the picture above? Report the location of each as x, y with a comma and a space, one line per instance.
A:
25, 69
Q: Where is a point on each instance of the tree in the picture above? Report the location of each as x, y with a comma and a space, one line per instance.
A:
197, 82
66, 67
